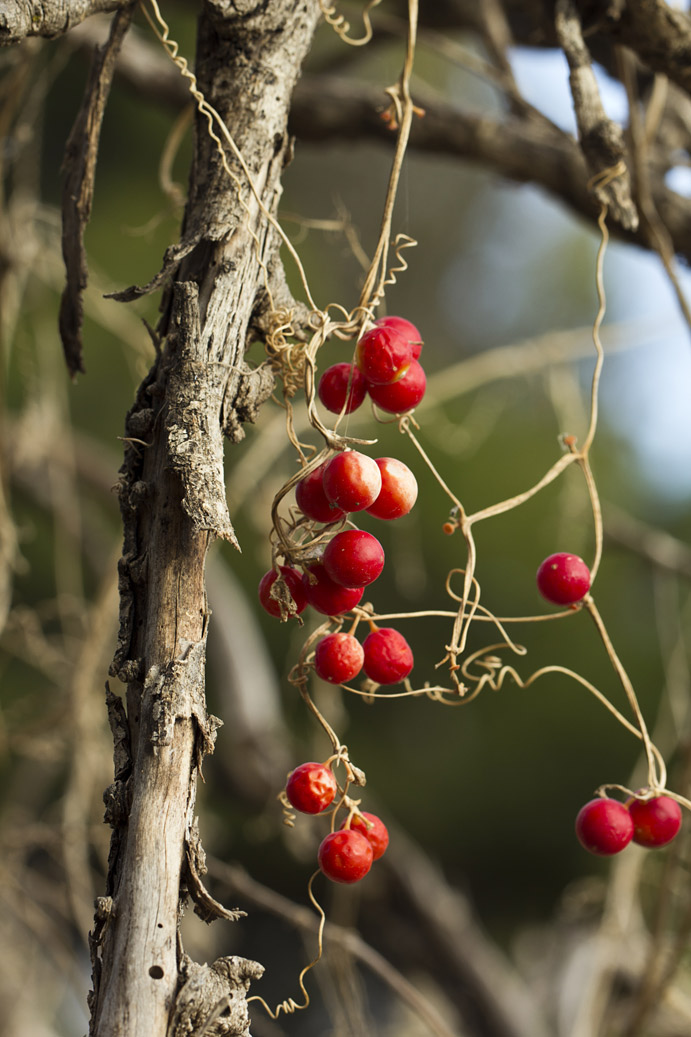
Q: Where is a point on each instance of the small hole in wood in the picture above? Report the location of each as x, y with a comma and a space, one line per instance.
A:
156, 972
160, 925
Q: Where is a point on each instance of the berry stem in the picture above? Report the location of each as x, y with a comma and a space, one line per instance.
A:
370, 295
655, 781
602, 305
584, 464
290, 1005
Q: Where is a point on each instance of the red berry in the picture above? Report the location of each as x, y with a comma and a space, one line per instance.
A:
563, 579
604, 826
293, 580
352, 480
398, 490
338, 658
407, 329
312, 501
403, 395
656, 821
345, 856
383, 354
376, 834
388, 656
339, 383
354, 558
311, 787
326, 596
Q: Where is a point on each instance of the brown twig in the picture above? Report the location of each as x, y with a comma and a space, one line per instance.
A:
80, 163
302, 918
600, 138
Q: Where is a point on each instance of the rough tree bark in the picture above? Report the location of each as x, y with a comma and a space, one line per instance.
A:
173, 503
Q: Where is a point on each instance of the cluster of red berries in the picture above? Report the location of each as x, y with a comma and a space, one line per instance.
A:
386, 366
606, 826
345, 855
349, 482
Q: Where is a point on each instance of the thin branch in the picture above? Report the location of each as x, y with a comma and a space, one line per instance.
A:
524, 149
80, 161
655, 545
302, 918
639, 136
601, 139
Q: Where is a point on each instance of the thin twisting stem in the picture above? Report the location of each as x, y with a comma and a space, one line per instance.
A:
602, 305
371, 295
162, 31
289, 1006
655, 780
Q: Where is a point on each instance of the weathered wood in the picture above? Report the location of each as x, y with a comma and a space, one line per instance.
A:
22, 18
173, 504
601, 139
81, 152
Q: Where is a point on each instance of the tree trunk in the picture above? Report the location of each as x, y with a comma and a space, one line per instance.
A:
173, 504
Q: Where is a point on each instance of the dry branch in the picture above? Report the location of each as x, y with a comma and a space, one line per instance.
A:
516, 146
80, 164
173, 504
22, 18
303, 918
659, 35
601, 139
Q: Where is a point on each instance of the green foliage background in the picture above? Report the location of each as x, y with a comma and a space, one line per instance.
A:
490, 790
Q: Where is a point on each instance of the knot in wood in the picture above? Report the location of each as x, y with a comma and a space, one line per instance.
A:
213, 998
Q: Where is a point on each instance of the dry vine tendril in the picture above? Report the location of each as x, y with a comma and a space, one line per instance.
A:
319, 558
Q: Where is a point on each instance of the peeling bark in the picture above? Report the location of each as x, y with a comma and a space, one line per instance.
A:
212, 1000
173, 504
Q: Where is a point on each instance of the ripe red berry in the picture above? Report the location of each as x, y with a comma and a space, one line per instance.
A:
345, 856
656, 821
388, 656
403, 395
407, 329
326, 596
398, 490
313, 502
563, 579
293, 580
604, 826
374, 830
354, 558
351, 480
339, 383
311, 787
383, 354
338, 658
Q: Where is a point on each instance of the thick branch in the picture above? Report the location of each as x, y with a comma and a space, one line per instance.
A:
173, 504
660, 36
519, 149
22, 18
